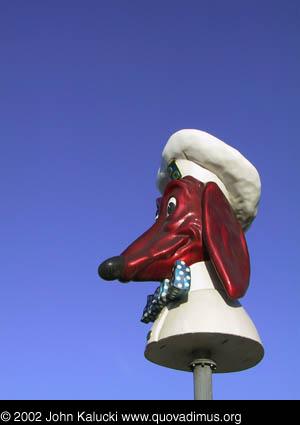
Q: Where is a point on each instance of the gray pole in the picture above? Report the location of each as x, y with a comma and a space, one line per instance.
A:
202, 370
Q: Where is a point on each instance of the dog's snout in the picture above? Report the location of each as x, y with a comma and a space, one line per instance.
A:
112, 268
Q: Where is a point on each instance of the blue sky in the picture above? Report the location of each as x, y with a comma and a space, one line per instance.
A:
90, 93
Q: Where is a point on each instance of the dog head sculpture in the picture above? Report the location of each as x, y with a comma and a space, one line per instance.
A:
195, 222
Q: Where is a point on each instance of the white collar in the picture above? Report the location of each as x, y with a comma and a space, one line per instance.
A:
203, 276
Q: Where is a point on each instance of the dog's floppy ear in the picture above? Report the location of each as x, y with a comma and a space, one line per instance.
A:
225, 241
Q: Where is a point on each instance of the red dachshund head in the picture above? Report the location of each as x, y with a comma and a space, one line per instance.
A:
194, 223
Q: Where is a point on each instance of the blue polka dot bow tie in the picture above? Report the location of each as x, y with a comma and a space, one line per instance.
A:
169, 290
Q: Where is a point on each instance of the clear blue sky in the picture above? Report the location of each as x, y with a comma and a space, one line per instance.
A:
90, 92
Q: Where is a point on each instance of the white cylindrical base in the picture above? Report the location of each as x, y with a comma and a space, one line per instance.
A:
208, 324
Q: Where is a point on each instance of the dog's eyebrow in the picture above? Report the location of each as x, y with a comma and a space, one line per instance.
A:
173, 184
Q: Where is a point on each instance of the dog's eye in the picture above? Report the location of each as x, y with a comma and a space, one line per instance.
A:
171, 205
158, 205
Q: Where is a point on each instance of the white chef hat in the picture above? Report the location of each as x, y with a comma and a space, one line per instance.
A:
206, 158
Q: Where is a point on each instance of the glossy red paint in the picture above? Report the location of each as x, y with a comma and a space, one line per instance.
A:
202, 227
225, 242
177, 236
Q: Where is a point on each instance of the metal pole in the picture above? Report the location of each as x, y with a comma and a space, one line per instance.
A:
202, 371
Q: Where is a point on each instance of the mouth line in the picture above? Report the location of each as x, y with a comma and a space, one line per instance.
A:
183, 242
160, 257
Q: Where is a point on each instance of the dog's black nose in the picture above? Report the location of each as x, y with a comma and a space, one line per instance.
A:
112, 268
